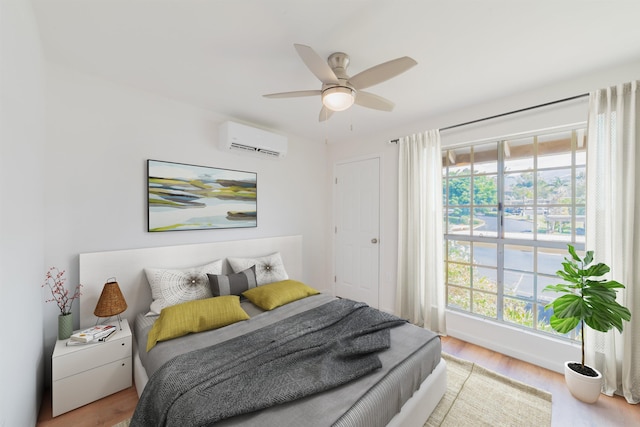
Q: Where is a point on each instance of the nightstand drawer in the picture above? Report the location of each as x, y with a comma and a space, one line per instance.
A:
90, 356
85, 387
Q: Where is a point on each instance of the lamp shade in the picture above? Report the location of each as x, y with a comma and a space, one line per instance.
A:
111, 301
338, 98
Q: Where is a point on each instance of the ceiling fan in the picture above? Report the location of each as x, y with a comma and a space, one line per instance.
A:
339, 91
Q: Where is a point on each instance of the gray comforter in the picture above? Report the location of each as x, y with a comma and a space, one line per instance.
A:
305, 354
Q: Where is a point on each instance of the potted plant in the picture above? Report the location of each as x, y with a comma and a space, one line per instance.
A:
586, 299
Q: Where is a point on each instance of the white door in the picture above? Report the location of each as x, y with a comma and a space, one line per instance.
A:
357, 229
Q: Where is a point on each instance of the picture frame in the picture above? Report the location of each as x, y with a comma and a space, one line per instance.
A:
190, 197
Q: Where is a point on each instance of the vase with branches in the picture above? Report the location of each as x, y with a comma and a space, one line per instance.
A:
55, 281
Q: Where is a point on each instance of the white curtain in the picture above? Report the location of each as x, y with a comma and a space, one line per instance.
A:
613, 228
420, 293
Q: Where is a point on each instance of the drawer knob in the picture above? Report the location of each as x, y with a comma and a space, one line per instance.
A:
122, 343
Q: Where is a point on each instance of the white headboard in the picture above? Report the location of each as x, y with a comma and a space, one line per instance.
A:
127, 266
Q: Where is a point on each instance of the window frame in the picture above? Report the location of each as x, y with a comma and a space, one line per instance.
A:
537, 246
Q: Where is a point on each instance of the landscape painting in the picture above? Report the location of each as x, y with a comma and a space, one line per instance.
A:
189, 197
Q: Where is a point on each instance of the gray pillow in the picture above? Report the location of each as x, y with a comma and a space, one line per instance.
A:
232, 284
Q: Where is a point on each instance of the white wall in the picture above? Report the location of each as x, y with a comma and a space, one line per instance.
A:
544, 352
100, 136
22, 139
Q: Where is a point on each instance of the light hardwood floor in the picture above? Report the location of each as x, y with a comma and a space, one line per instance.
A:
102, 413
567, 411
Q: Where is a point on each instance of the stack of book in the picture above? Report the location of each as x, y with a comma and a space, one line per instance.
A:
93, 334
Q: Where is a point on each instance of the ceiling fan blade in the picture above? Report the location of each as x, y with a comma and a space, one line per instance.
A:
325, 113
370, 100
381, 72
294, 94
316, 64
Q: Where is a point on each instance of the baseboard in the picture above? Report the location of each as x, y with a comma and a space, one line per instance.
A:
539, 350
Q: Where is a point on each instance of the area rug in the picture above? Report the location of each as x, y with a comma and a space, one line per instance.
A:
479, 397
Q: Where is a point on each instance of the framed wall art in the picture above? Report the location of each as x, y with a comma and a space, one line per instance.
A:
190, 197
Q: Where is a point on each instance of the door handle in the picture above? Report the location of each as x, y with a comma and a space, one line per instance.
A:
374, 240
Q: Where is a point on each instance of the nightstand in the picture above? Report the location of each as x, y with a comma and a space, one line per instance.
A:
84, 373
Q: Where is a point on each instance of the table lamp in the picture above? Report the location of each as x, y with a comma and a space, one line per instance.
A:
111, 302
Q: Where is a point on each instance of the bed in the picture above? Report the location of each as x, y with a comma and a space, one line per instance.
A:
401, 393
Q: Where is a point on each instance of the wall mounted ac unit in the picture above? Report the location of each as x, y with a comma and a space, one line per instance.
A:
236, 136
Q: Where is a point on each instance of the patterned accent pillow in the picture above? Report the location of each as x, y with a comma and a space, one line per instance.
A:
233, 284
171, 287
269, 268
195, 316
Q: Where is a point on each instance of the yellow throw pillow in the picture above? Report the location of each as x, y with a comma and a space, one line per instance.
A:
273, 295
195, 316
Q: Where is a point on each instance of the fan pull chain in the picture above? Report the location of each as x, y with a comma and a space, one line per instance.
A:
326, 127
351, 119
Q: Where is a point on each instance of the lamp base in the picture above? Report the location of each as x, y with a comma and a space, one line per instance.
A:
117, 316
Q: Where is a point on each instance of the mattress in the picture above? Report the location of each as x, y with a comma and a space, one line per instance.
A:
369, 401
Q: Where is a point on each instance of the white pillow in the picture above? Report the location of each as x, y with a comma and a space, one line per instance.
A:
269, 268
171, 287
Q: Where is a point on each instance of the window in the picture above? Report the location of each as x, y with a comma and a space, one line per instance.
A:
510, 208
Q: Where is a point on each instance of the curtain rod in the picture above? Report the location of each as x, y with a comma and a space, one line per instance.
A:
533, 107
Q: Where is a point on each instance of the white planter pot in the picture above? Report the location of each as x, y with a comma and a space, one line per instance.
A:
582, 387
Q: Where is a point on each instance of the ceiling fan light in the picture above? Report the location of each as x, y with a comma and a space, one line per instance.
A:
338, 98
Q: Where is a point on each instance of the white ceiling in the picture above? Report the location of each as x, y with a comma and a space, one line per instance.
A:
223, 55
